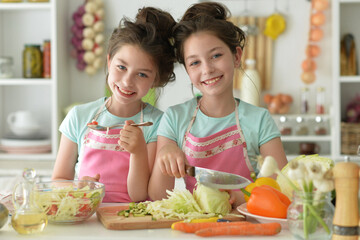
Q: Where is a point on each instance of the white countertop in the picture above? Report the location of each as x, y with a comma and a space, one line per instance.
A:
93, 229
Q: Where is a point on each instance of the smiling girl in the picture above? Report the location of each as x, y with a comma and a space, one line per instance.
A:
216, 130
139, 57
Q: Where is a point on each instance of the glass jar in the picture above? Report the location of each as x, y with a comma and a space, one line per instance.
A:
320, 100
320, 126
301, 127
285, 126
28, 218
32, 61
304, 100
47, 59
6, 67
310, 215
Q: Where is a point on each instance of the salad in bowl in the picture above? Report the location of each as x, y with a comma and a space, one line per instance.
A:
68, 201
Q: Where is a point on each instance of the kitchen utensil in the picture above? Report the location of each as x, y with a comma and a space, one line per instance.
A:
107, 215
217, 179
102, 128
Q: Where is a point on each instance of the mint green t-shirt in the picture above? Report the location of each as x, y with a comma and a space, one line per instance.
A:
74, 125
256, 123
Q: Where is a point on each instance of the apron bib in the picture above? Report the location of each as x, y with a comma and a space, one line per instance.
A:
223, 151
101, 153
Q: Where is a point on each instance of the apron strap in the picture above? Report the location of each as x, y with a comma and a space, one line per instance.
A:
100, 110
191, 123
246, 156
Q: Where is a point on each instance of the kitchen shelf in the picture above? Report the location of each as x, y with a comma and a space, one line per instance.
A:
349, 79
292, 156
26, 6
307, 138
45, 156
26, 81
349, 1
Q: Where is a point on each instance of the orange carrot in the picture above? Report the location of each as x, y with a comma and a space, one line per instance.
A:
193, 227
244, 230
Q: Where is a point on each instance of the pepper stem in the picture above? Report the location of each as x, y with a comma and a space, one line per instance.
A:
245, 192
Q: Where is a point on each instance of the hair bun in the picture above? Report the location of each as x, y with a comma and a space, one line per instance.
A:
162, 20
213, 9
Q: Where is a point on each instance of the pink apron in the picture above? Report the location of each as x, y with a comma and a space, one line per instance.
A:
102, 154
223, 151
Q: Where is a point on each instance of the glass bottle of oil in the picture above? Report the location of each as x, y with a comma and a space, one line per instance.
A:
28, 217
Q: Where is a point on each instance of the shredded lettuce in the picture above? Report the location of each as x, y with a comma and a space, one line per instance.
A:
68, 204
181, 204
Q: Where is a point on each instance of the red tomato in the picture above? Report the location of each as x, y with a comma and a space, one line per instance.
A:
84, 210
53, 209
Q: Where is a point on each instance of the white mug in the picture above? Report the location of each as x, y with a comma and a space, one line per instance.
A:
23, 123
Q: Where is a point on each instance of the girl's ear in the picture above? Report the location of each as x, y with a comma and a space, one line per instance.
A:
238, 54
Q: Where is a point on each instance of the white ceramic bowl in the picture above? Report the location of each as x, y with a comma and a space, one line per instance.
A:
25, 131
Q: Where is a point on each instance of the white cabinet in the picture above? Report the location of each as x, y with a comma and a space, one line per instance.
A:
346, 19
31, 23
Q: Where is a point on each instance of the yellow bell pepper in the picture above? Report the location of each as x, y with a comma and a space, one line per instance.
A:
259, 182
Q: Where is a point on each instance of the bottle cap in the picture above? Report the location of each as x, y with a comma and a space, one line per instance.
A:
250, 62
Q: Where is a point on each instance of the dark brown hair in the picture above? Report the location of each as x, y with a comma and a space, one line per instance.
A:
151, 31
210, 17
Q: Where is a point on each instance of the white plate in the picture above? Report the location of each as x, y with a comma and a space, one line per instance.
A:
24, 143
26, 150
243, 210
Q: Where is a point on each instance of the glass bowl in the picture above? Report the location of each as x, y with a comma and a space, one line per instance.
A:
68, 201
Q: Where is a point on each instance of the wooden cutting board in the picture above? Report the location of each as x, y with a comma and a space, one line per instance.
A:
109, 218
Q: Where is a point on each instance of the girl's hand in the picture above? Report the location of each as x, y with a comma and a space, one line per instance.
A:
96, 178
132, 138
232, 194
172, 161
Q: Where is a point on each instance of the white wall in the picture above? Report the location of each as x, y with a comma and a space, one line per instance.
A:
289, 48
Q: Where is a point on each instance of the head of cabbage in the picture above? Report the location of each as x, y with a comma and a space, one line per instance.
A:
212, 200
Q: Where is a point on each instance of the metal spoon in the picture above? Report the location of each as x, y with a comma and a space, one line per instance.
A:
101, 128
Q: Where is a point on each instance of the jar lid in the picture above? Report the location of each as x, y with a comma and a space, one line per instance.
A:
283, 119
5, 59
318, 119
32, 45
299, 119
